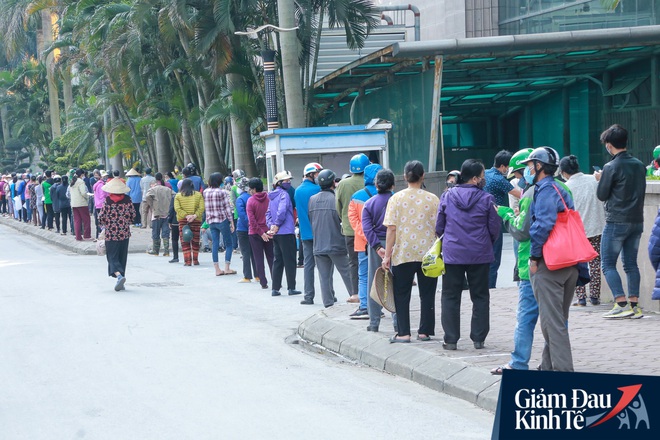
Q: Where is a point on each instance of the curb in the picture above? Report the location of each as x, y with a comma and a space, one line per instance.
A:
63, 241
456, 378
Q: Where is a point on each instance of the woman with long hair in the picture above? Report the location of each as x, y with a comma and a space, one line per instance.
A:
116, 217
410, 221
469, 226
220, 217
189, 208
79, 205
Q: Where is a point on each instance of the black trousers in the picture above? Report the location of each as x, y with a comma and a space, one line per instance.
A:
56, 216
116, 253
137, 218
48, 221
174, 230
452, 286
352, 263
246, 253
403, 281
65, 214
284, 259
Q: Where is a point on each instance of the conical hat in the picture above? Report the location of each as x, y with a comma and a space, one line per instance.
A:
132, 172
116, 186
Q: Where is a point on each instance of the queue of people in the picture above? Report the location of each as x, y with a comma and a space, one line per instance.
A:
359, 223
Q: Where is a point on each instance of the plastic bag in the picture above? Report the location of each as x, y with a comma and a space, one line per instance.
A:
100, 243
432, 264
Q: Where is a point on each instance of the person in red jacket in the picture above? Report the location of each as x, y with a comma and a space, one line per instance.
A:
260, 242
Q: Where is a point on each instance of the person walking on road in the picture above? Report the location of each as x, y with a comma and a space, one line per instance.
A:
116, 217
410, 220
622, 186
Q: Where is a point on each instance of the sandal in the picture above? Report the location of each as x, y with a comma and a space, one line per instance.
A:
219, 274
498, 371
423, 338
230, 272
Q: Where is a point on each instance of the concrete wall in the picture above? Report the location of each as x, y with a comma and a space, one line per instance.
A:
481, 18
440, 19
651, 205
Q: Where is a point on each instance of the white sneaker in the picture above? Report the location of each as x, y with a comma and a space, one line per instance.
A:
619, 312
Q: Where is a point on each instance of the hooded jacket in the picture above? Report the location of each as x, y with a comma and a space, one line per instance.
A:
469, 222
280, 211
256, 208
357, 204
326, 225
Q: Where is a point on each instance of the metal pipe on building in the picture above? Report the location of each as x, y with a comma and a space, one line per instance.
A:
413, 8
436, 121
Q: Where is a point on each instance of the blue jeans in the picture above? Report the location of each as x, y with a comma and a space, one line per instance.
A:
363, 273
495, 265
621, 238
217, 229
523, 335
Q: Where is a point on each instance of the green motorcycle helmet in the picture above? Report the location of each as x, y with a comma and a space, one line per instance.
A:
656, 152
518, 161
186, 234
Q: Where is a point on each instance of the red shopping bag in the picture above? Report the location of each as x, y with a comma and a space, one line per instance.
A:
567, 244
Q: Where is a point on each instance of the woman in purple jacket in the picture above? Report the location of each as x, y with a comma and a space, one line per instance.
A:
469, 225
279, 219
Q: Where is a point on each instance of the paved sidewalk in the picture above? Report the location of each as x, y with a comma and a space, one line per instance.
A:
139, 242
599, 345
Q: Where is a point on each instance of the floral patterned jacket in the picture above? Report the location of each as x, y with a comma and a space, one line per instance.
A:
116, 218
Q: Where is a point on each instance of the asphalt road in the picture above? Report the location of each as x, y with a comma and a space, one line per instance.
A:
182, 354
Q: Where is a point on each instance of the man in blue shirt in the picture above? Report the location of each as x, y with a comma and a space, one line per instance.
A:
303, 193
553, 289
499, 188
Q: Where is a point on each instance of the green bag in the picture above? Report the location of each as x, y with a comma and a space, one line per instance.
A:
432, 264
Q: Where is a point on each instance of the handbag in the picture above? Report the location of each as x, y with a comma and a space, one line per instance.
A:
382, 289
100, 243
432, 264
567, 244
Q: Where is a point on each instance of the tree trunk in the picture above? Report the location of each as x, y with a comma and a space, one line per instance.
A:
67, 92
163, 151
6, 134
53, 99
240, 133
291, 66
211, 159
115, 161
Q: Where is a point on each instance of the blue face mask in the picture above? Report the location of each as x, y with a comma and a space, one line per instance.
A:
529, 177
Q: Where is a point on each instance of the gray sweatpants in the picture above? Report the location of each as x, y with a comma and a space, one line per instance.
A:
325, 265
554, 290
308, 252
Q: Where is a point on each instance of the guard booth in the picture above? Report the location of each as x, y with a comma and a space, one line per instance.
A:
292, 148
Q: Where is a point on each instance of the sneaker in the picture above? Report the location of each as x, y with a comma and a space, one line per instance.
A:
294, 292
637, 313
372, 328
307, 302
581, 302
595, 301
619, 312
257, 280
120, 283
275, 293
174, 260
245, 280
359, 314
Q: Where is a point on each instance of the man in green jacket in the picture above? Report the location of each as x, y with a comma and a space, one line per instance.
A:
48, 203
344, 192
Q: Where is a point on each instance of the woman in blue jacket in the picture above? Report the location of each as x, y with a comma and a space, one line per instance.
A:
469, 225
654, 255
